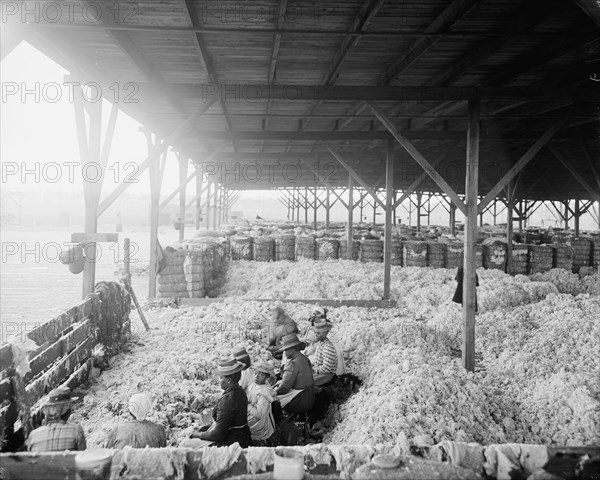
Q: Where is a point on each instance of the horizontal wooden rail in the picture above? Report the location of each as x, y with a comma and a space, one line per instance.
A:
201, 302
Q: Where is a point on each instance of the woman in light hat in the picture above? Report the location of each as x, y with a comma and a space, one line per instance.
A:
260, 398
138, 432
242, 356
56, 434
230, 415
296, 389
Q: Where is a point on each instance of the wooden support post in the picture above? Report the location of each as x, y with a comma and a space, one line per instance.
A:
327, 208
183, 166
452, 218
375, 211
298, 205
394, 207
525, 212
471, 184
305, 205
495, 214
566, 216
216, 205
316, 206
93, 152
389, 205
510, 190
350, 233
362, 200
419, 204
126, 257
576, 217
198, 210
156, 171
208, 195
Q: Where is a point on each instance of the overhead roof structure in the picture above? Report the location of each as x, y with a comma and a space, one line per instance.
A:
281, 83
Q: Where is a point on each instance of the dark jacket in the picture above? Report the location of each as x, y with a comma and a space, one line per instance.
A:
458, 293
297, 374
230, 416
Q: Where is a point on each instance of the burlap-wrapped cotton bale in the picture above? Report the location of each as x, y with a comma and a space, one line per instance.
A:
344, 249
455, 253
396, 257
306, 247
327, 249
436, 254
494, 254
415, 254
285, 247
479, 255
263, 249
168, 279
241, 247
520, 259
540, 258
583, 252
172, 270
596, 251
562, 238
370, 250
563, 257
174, 258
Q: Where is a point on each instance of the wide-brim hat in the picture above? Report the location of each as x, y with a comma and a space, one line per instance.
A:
318, 310
239, 351
264, 367
59, 396
289, 341
228, 367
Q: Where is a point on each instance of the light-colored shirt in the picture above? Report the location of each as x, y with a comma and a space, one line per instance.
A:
260, 417
246, 379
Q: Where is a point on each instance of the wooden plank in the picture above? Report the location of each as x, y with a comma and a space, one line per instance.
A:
60, 348
202, 302
389, 206
593, 192
50, 331
52, 378
6, 390
524, 160
6, 356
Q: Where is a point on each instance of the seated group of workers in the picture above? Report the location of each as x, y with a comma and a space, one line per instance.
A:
243, 414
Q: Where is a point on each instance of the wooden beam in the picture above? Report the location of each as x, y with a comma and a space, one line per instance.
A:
593, 192
356, 176
525, 159
153, 156
469, 265
349, 227
442, 23
325, 184
416, 155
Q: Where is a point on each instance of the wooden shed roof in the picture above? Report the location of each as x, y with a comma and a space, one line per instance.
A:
288, 77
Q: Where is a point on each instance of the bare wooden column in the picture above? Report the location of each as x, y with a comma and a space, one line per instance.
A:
198, 211
316, 206
183, 164
306, 205
350, 233
577, 214
327, 208
471, 183
208, 195
452, 217
216, 204
510, 190
389, 205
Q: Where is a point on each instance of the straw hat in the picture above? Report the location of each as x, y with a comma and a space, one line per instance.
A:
239, 351
322, 325
289, 341
228, 366
319, 311
59, 396
264, 367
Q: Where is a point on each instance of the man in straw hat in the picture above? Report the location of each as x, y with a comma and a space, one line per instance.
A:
296, 389
242, 356
230, 415
56, 434
138, 432
260, 398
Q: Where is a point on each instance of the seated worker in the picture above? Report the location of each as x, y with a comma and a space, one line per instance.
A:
56, 434
230, 415
295, 391
260, 398
242, 356
324, 361
138, 433
281, 324
308, 335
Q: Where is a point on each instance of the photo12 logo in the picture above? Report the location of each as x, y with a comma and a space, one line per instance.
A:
70, 12
54, 92
55, 172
